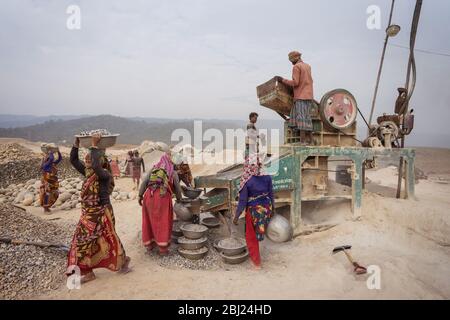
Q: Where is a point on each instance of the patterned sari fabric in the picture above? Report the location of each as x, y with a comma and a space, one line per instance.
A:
301, 115
257, 217
95, 243
48, 191
260, 210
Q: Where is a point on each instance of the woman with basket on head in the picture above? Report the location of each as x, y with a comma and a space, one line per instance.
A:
48, 192
95, 243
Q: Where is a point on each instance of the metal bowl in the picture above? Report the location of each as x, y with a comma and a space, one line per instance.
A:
189, 244
182, 211
211, 222
176, 229
194, 231
235, 259
191, 193
216, 245
46, 149
193, 205
279, 229
193, 254
105, 141
232, 250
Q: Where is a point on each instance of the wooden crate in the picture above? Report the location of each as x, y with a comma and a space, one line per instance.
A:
275, 96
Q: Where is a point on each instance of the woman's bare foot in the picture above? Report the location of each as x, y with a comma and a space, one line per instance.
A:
88, 277
256, 267
47, 210
126, 266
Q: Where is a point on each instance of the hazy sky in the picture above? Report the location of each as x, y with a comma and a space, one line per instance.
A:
204, 58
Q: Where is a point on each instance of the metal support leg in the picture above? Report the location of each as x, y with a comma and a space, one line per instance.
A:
357, 188
296, 207
410, 179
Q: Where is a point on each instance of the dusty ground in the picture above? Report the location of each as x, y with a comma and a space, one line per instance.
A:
408, 239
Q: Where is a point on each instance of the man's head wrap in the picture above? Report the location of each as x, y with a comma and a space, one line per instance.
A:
294, 56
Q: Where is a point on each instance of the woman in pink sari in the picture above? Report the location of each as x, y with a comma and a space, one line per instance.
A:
155, 197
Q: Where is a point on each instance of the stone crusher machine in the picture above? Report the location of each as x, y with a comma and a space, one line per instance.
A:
301, 173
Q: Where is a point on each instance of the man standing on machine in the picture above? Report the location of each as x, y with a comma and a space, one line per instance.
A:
302, 83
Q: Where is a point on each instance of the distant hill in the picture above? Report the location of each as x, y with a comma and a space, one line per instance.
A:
131, 131
60, 129
15, 121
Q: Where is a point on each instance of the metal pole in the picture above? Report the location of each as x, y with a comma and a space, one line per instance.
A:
409, 86
380, 69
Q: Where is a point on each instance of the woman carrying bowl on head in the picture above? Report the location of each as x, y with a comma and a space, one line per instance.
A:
95, 243
256, 199
155, 197
48, 192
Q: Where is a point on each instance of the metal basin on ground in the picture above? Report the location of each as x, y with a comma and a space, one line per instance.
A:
211, 222
235, 259
189, 244
193, 254
279, 229
231, 246
176, 231
194, 231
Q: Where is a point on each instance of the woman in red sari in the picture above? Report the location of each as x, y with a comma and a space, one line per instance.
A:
115, 168
256, 199
95, 243
155, 197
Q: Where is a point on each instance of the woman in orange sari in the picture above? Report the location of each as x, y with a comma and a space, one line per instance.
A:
155, 197
48, 192
95, 243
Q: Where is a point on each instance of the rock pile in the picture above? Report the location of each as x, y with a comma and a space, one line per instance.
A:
27, 194
16, 172
27, 270
14, 152
19, 164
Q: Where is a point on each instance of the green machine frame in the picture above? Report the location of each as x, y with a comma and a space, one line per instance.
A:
287, 174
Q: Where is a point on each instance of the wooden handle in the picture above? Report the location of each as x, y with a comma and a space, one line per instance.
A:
349, 256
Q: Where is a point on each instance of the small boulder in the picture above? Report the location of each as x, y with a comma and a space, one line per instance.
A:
65, 196
123, 196
20, 196
28, 199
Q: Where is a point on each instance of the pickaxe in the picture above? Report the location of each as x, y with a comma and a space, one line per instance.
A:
358, 268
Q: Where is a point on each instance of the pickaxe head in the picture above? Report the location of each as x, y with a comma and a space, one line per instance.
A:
341, 248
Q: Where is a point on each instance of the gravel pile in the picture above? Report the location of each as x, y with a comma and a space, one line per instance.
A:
14, 152
19, 164
26, 270
212, 261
